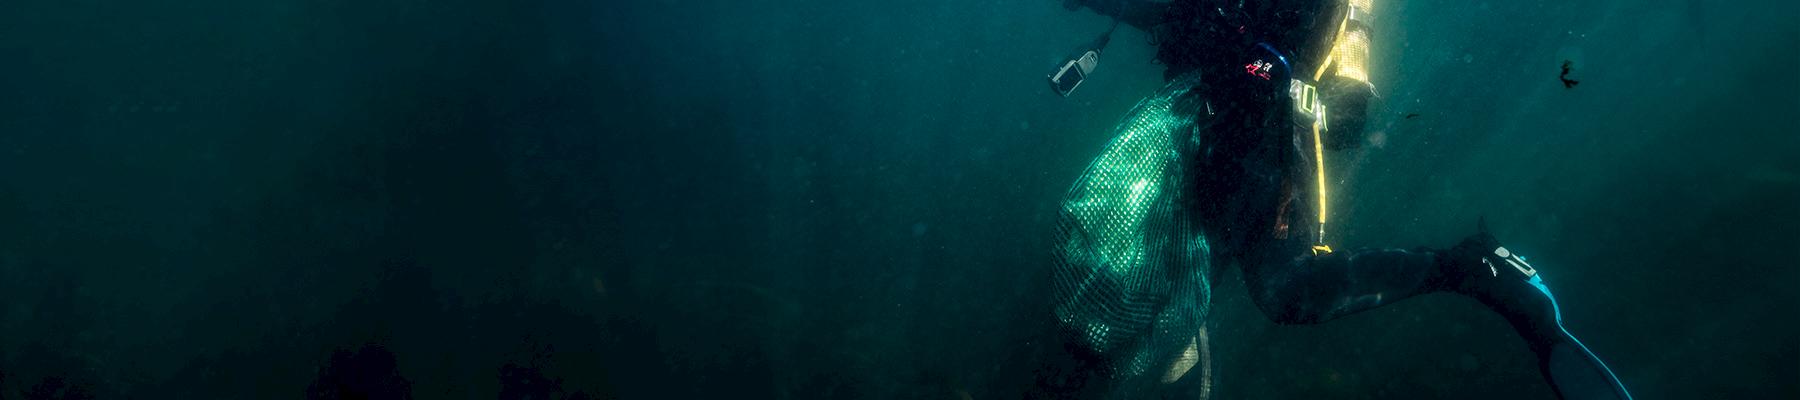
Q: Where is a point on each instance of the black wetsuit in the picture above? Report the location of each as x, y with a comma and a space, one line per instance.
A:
1255, 170
1250, 176
1257, 174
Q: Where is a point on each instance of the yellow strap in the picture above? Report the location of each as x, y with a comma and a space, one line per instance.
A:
1319, 161
1330, 52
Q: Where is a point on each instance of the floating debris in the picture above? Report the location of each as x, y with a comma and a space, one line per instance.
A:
1566, 67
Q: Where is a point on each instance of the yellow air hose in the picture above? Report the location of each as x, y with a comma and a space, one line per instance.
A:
1350, 52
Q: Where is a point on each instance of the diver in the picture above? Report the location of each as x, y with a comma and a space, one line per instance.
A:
1224, 166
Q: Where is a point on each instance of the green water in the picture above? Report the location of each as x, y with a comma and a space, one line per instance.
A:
801, 199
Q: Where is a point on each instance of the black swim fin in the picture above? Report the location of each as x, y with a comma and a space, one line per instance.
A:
1579, 375
1573, 370
1568, 364
1514, 289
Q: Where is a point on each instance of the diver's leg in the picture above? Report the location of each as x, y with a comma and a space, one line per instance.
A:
1312, 289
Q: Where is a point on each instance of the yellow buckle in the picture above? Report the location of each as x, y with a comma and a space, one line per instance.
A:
1307, 102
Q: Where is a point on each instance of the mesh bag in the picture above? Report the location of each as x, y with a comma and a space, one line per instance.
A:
1131, 264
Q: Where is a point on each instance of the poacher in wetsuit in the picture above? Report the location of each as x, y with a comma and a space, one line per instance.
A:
1223, 166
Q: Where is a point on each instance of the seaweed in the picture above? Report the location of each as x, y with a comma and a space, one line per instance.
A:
56, 388
526, 379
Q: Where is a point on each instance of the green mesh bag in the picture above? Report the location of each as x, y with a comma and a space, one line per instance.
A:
1131, 271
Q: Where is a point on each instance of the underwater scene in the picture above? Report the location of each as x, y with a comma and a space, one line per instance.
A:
925, 199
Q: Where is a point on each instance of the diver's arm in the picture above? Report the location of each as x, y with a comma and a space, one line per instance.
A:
1141, 14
